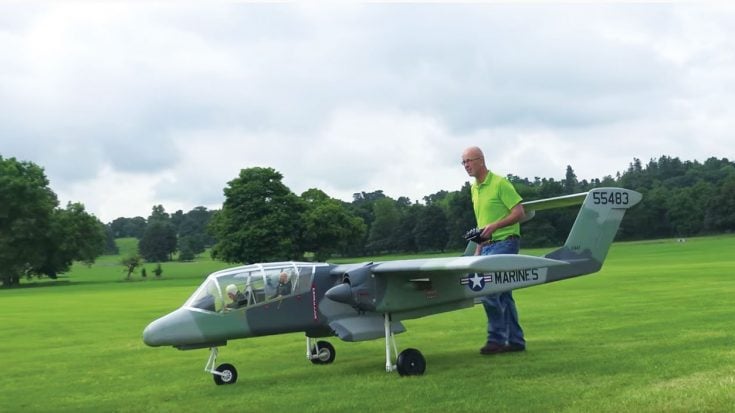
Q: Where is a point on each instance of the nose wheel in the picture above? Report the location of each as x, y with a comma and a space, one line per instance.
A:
224, 373
321, 353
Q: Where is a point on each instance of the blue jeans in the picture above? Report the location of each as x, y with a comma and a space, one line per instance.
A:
502, 317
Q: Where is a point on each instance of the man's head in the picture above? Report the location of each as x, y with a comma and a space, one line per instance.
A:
283, 278
231, 291
473, 161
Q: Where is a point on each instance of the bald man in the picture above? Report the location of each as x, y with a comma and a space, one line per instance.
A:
498, 210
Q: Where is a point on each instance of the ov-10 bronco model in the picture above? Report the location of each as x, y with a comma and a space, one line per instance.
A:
369, 300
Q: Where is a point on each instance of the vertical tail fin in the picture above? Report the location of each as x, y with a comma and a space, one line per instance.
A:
594, 229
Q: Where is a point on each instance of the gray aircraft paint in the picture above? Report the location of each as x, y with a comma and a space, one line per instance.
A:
405, 289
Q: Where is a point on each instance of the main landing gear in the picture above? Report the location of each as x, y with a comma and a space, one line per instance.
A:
410, 362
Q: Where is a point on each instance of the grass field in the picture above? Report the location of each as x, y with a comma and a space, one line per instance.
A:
652, 332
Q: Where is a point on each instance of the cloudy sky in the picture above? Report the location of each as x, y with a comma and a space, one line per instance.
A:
127, 104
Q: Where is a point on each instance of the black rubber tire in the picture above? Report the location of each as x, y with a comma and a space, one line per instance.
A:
326, 353
230, 374
411, 363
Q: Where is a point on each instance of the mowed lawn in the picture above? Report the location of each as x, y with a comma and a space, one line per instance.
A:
654, 331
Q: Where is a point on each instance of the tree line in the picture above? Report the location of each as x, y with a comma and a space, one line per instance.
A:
263, 220
163, 234
37, 237
681, 198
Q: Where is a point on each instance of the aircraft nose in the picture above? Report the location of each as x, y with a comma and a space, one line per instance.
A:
176, 328
151, 335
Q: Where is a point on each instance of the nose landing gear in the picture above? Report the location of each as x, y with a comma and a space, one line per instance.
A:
322, 352
224, 373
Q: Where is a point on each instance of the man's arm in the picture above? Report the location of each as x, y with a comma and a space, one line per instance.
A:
515, 215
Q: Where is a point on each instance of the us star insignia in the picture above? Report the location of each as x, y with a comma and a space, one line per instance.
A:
476, 281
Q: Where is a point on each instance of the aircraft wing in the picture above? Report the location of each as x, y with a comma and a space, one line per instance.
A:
478, 263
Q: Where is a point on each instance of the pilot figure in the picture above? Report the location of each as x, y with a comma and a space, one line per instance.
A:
284, 286
236, 296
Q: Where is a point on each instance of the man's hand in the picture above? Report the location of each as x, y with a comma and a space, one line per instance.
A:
487, 232
475, 235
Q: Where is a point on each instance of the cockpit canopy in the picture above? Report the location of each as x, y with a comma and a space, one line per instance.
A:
252, 285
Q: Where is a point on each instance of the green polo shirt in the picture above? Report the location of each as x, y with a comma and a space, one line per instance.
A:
492, 200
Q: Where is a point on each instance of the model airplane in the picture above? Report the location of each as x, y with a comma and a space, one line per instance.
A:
369, 300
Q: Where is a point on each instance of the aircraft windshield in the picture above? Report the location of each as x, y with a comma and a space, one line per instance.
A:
251, 285
206, 297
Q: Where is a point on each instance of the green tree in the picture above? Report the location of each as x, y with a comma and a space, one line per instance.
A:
128, 227
649, 219
130, 263
570, 182
436, 198
158, 242
686, 211
192, 231
460, 216
431, 229
538, 232
404, 237
110, 245
259, 220
36, 238
158, 213
26, 208
187, 248
383, 231
721, 208
362, 206
329, 227
176, 219
74, 235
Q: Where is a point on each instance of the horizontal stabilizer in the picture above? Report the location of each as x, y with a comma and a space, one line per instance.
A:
531, 207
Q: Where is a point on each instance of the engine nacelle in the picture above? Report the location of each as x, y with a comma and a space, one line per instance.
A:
357, 289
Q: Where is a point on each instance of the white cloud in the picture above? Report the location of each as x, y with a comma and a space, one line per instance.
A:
111, 194
128, 105
403, 154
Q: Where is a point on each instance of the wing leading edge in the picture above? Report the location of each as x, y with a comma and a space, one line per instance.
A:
454, 265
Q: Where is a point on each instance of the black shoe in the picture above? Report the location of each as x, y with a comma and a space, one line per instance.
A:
492, 348
515, 347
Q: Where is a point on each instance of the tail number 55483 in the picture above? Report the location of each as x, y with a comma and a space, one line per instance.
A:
614, 198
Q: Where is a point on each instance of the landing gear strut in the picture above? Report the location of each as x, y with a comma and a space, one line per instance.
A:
410, 362
320, 353
224, 373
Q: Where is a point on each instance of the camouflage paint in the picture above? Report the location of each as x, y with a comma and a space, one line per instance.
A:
405, 289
